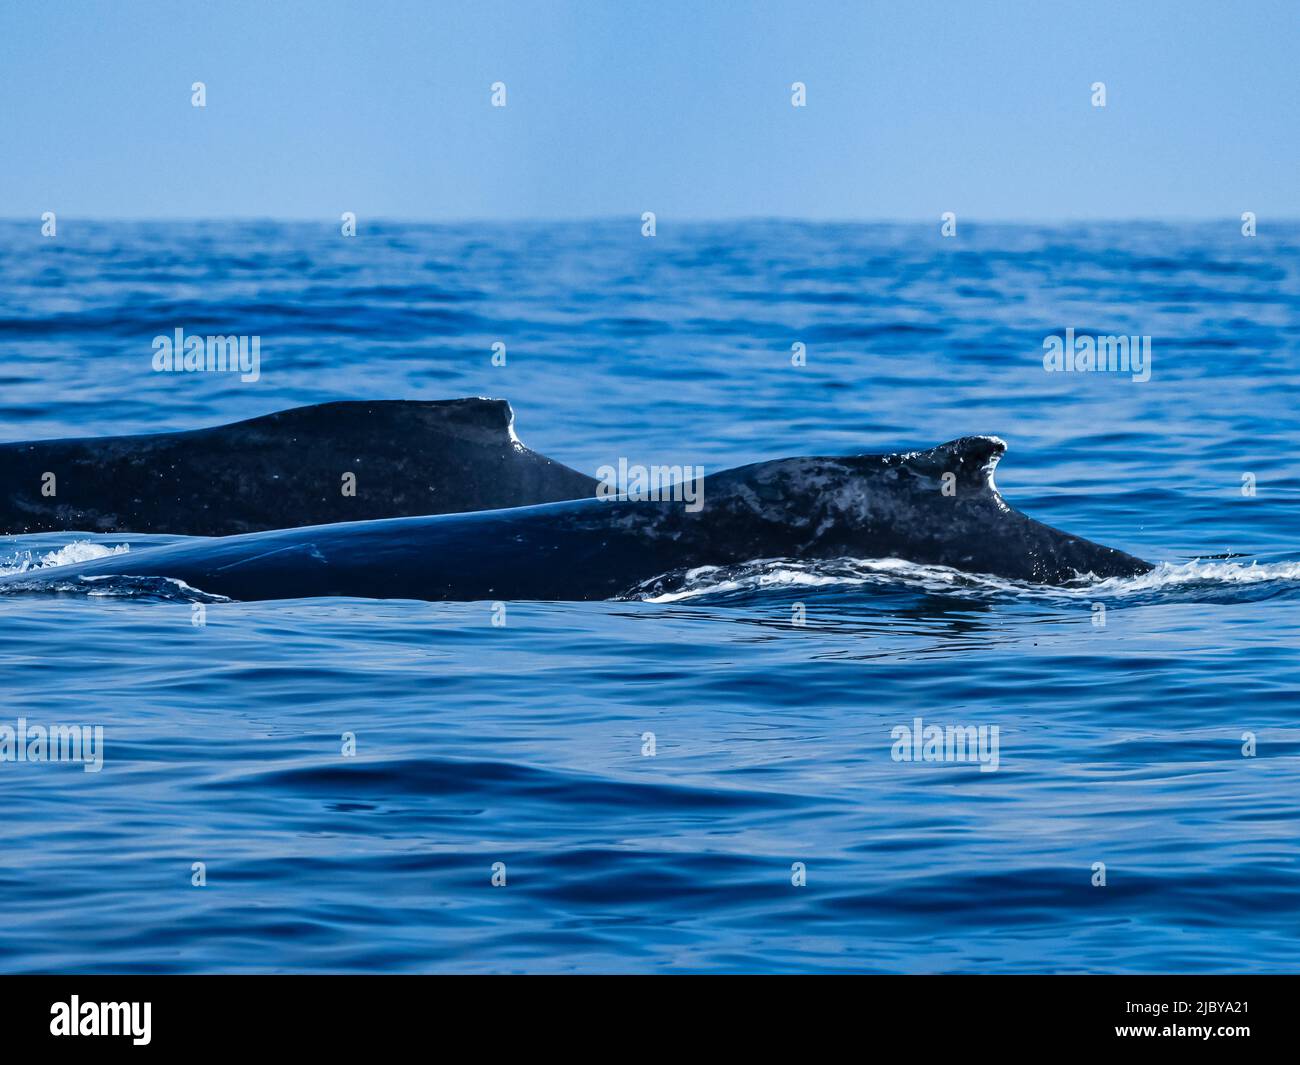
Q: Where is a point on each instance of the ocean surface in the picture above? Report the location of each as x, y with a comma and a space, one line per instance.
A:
1159, 739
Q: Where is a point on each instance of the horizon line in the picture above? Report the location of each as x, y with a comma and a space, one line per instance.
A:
333, 220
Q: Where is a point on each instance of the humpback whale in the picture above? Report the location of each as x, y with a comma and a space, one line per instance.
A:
937, 507
283, 469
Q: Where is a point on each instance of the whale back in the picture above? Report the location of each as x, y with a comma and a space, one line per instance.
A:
282, 470
936, 507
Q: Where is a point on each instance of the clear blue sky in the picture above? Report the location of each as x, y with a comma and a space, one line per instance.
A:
618, 106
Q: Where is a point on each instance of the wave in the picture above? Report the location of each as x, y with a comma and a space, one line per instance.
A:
149, 589
153, 589
749, 580
791, 575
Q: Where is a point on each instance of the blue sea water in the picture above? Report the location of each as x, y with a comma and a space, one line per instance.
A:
524, 744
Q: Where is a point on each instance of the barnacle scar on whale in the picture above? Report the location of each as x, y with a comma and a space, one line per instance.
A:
934, 507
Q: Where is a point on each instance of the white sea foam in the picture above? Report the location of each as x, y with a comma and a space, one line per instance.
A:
77, 551
113, 586
1170, 574
767, 575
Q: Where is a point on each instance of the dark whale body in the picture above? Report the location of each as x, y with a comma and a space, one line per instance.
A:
283, 470
866, 506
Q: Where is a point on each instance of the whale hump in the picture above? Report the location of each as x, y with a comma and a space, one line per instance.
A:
351, 460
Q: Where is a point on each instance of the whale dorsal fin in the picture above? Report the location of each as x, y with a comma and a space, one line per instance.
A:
971, 458
974, 452
474, 418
